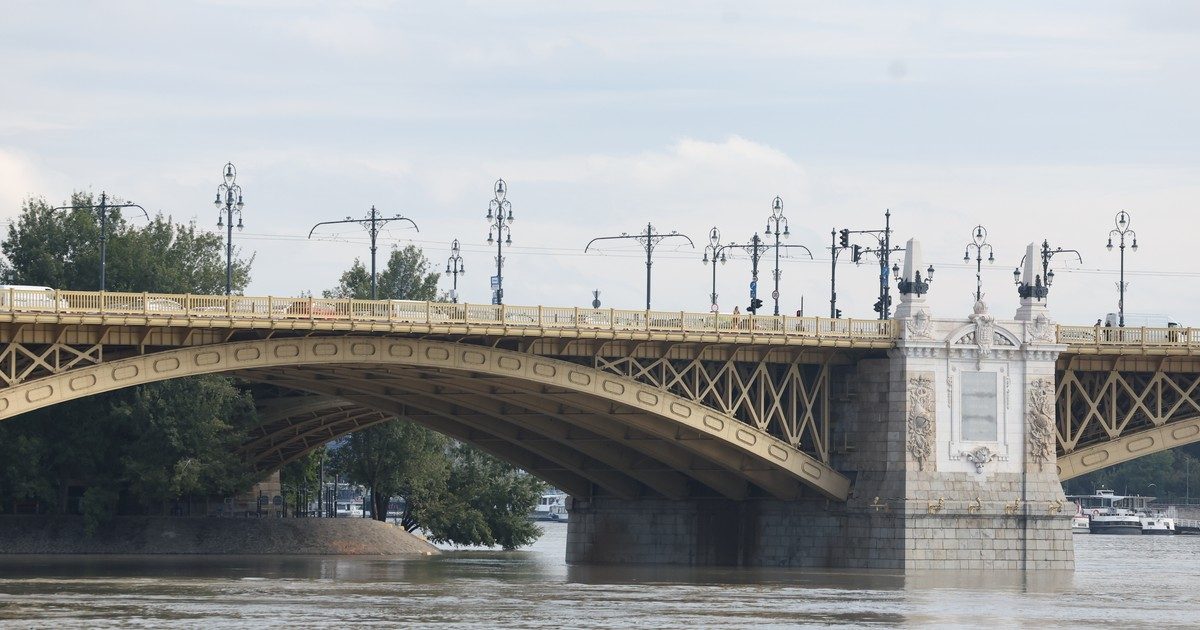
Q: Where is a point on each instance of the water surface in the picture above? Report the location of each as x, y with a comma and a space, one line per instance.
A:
1120, 581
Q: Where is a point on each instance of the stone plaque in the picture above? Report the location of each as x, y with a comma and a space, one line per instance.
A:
979, 421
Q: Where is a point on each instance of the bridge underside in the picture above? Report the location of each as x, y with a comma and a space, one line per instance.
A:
588, 431
583, 444
1113, 409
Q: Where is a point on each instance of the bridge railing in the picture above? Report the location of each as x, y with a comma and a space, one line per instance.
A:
1142, 336
239, 307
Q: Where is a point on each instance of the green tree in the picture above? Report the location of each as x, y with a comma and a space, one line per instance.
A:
397, 459
61, 249
405, 276
134, 447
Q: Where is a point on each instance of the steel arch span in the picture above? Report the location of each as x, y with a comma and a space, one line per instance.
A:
578, 427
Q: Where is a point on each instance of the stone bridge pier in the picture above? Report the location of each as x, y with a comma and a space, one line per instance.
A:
948, 439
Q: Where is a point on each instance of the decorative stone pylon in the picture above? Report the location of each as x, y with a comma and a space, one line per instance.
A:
1031, 307
914, 262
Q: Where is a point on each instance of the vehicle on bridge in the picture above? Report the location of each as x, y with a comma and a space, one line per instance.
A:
25, 297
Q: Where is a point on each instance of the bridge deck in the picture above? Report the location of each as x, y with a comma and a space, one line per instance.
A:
409, 317
442, 318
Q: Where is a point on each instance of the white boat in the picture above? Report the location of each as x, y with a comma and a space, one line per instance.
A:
551, 506
1157, 523
1080, 523
1109, 513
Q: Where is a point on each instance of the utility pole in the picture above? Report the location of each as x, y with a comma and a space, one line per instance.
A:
716, 251
101, 209
773, 228
979, 242
374, 223
649, 240
454, 266
229, 201
500, 218
882, 251
1122, 230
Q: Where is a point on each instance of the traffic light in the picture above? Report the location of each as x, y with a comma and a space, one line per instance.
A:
755, 304
845, 242
837, 313
856, 253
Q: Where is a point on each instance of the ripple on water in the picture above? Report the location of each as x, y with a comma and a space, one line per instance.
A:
1120, 581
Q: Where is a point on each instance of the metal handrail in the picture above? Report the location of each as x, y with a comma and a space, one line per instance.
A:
1129, 337
404, 312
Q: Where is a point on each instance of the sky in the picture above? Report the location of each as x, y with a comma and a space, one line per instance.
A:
1038, 122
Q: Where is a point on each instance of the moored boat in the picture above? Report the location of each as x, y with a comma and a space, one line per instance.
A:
1108, 513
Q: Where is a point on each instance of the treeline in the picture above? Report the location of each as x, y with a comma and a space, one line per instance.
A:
1172, 476
136, 450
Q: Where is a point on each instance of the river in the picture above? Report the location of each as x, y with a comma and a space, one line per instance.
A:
1120, 581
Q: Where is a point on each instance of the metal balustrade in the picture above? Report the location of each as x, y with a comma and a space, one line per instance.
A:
434, 314
1112, 338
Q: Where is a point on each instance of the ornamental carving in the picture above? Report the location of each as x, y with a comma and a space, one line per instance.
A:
920, 326
979, 456
985, 329
1040, 421
921, 403
1042, 329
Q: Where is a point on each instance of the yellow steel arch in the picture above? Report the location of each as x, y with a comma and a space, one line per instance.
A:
1128, 447
735, 446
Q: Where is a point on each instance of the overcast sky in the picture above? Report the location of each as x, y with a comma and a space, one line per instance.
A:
1038, 123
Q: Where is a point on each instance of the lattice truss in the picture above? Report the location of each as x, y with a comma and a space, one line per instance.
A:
790, 400
20, 362
1097, 406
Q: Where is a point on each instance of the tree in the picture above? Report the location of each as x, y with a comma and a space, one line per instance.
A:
139, 446
61, 249
405, 276
396, 459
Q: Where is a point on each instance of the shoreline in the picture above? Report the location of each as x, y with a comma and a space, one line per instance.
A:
204, 536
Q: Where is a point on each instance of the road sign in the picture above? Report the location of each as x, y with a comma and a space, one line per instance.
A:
754, 288
774, 295
495, 282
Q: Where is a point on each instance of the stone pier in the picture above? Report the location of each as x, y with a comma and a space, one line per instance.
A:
949, 441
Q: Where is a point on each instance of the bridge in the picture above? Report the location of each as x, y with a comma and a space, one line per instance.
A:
785, 431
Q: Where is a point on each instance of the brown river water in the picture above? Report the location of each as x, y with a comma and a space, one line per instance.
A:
1120, 582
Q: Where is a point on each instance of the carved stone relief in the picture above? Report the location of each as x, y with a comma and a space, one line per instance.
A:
979, 456
1040, 421
921, 408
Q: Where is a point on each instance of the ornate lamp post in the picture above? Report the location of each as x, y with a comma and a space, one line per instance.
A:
775, 221
1040, 289
102, 209
912, 286
716, 251
1122, 230
979, 243
373, 223
228, 202
500, 218
454, 266
649, 240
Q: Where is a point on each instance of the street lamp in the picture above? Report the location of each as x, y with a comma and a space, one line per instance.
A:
374, 224
101, 209
912, 286
979, 243
716, 251
500, 218
229, 201
883, 252
454, 266
649, 240
1040, 290
775, 221
1121, 231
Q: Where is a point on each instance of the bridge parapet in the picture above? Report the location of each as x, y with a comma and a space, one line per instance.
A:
402, 316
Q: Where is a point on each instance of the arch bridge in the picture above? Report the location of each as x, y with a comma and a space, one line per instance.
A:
622, 403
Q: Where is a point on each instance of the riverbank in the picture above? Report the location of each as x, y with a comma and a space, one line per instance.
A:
217, 536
